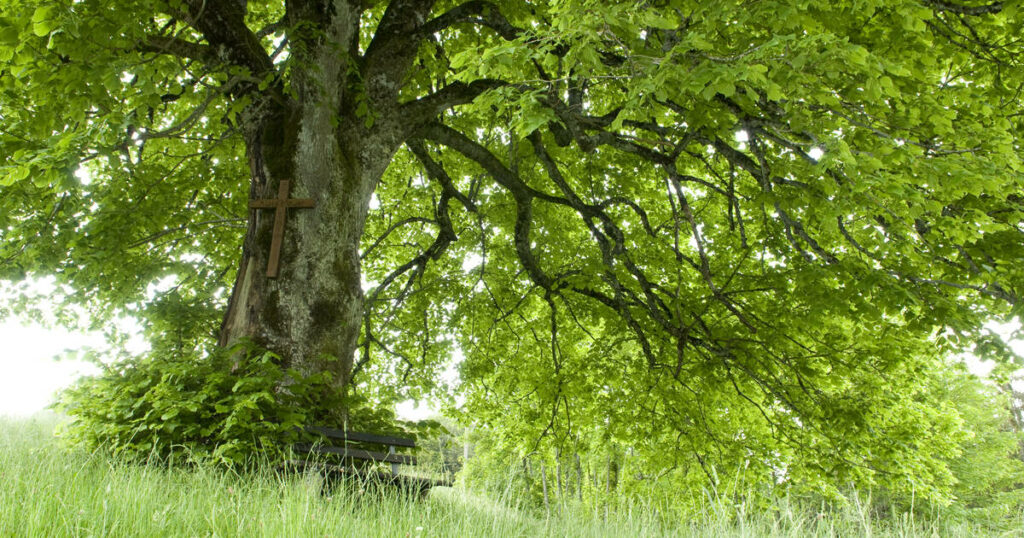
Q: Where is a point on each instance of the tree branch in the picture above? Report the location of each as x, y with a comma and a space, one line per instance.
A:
940, 5
178, 47
428, 107
476, 12
222, 23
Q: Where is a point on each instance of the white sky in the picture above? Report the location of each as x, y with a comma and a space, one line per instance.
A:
31, 375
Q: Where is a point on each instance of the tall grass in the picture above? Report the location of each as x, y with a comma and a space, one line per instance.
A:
47, 490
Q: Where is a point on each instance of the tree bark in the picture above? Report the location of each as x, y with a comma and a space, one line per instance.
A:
311, 313
544, 485
330, 124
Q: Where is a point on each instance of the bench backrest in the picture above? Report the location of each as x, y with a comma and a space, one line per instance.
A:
333, 433
348, 452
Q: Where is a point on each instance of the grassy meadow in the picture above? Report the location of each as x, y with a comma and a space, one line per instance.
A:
48, 490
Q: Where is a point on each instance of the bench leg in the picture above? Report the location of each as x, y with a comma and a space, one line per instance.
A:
394, 466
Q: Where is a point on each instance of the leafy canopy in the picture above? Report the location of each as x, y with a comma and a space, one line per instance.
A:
735, 231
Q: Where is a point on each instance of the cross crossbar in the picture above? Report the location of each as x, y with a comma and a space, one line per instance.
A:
280, 205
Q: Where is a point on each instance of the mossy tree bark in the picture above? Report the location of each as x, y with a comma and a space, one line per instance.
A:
333, 138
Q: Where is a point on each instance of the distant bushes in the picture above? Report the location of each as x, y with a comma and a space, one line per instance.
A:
989, 472
977, 476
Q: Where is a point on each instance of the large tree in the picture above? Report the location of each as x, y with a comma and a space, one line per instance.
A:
658, 204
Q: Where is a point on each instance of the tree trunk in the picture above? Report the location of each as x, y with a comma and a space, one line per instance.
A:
310, 314
544, 485
562, 486
579, 478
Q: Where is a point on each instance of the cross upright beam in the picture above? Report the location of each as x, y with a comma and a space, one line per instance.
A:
280, 205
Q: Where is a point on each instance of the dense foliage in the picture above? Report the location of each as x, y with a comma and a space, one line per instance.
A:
731, 238
227, 408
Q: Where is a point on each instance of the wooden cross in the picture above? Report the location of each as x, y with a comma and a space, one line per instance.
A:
280, 204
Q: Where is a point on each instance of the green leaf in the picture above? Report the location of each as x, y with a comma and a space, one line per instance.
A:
44, 20
9, 35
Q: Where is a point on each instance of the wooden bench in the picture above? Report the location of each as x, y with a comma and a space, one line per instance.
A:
357, 446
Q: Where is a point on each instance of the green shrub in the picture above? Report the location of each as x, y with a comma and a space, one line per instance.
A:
227, 406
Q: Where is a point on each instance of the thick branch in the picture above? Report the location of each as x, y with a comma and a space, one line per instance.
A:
940, 5
428, 107
393, 48
475, 12
178, 47
223, 25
